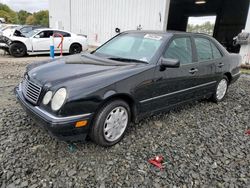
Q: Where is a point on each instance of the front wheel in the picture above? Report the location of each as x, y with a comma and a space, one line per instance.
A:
221, 90
111, 123
17, 50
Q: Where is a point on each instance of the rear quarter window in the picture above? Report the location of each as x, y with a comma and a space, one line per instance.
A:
216, 51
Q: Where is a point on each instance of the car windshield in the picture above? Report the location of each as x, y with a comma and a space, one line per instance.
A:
32, 33
131, 47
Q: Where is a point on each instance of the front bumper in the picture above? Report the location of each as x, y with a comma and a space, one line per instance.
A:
62, 128
4, 46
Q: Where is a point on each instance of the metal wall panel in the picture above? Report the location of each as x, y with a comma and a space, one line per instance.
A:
99, 18
59, 14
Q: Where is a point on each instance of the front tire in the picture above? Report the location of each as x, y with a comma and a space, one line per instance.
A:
18, 50
111, 123
75, 48
221, 90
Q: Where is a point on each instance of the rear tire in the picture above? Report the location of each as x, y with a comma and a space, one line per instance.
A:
110, 123
221, 90
18, 50
75, 48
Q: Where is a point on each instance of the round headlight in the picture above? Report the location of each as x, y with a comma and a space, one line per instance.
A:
47, 97
58, 99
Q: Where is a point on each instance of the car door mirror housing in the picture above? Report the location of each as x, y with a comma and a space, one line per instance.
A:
37, 36
169, 63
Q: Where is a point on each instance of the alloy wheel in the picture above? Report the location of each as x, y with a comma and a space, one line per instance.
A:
115, 124
221, 89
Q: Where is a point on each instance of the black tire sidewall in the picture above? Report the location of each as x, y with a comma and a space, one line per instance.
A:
97, 133
215, 99
20, 45
73, 46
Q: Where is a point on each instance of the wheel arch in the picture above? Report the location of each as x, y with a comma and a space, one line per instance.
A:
16, 41
229, 76
110, 96
75, 43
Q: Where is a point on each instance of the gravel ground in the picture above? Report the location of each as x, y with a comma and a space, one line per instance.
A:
204, 145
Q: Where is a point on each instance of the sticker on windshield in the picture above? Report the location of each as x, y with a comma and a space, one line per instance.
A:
153, 37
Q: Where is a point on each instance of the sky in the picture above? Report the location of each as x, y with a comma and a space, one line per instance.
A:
201, 20
28, 5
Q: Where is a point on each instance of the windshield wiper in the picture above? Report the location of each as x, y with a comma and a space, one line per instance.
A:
127, 60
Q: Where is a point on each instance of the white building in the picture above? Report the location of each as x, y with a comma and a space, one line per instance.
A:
99, 19
245, 49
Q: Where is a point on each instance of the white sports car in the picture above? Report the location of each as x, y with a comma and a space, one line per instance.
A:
38, 42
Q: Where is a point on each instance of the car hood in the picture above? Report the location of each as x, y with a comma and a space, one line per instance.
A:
73, 67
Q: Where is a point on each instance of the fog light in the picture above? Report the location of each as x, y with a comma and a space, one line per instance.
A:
81, 123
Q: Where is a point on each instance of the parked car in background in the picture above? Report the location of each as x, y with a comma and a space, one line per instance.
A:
133, 75
38, 42
2, 20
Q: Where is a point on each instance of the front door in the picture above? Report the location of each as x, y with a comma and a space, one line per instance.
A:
41, 41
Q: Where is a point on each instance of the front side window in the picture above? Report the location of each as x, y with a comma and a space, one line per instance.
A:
138, 46
181, 49
203, 47
45, 34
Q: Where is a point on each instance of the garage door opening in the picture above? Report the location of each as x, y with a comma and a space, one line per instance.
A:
231, 17
201, 24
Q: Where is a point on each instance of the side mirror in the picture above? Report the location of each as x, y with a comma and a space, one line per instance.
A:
169, 63
37, 36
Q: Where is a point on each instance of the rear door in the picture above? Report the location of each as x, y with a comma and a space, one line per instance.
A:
206, 65
218, 60
58, 39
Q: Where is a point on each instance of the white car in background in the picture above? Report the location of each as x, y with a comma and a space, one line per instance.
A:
38, 42
2, 20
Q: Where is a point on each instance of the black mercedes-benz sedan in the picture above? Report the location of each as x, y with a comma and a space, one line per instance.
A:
133, 75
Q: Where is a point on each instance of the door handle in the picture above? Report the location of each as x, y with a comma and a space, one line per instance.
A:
193, 70
220, 65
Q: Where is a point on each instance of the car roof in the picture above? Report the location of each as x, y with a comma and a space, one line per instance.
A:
49, 29
168, 32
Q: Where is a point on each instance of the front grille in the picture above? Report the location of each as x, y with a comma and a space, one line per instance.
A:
31, 91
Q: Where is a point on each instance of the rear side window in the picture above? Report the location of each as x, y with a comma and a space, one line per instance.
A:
216, 51
181, 49
204, 50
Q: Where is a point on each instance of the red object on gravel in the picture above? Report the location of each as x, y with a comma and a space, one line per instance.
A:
157, 161
247, 132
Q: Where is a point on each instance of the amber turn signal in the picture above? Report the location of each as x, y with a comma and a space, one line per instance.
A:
81, 123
